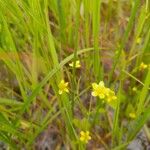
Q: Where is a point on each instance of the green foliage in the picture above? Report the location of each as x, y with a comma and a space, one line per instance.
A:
38, 40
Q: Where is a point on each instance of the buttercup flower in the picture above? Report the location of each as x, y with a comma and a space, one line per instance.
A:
99, 90
143, 66
85, 136
77, 64
104, 93
132, 115
63, 87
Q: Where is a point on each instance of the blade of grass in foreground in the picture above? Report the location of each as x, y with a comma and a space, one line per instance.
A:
76, 44
87, 22
62, 19
96, 25
143, 94
9, 45
145, 47
140, 25
115, 129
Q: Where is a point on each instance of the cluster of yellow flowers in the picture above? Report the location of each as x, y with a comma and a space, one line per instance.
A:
85, 136
103, 92
63, 86
98, 90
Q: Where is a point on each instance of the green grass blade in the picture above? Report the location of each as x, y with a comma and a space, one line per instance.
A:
143, 94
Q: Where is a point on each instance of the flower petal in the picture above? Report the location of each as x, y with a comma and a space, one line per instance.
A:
114, 97
89, 137
102, 96
62, 81
66, 84
94, 85
60, 92
66, 90
82, 133
101, 83
82, 138
94, 94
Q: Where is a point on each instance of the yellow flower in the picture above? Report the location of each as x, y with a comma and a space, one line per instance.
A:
85, 136
77, 64
104, 93
63, 87
132, 115
138, 41
134, 89
111, 96
143, 66
99, 90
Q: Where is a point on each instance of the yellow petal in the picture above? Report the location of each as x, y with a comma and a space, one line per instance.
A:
101, 83
107, 91
66, 90
89, 137
82, 133
66, 84
62, 81
108, 100
71, 64
60, 92
94, 85
82, 138
77, 64
94, 94
102, 96
87, 132
114, 97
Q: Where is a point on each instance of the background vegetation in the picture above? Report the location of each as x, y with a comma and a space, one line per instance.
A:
38, 40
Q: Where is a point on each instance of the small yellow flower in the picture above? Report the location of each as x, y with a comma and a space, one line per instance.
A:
138, 41
99, 90
77, 64
104, 93
143, 66
63, 87
85, 136
111, 96
134, 89
132, 115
